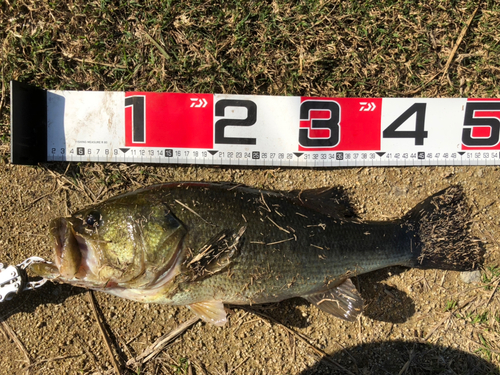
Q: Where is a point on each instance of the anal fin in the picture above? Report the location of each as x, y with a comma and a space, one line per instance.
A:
211, 312
343, 301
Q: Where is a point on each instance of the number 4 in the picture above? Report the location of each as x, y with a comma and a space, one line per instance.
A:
418, 134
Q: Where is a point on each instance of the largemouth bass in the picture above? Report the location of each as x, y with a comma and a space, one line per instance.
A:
204, 245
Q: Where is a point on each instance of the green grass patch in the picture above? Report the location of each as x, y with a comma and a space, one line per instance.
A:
313, 48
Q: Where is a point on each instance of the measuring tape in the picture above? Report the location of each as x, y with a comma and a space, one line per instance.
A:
250, 130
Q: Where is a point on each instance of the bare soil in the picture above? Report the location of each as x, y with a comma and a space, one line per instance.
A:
415, 321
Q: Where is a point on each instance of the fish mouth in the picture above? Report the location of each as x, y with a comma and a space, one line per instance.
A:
67, 249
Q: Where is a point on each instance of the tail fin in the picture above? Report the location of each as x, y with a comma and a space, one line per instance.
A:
442, 223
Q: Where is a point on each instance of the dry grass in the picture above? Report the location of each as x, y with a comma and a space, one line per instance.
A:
317, 47
320, 48
332, 48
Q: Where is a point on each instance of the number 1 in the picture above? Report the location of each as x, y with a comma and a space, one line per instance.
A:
138, 104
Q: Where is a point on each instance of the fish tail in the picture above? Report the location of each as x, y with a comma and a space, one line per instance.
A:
442, 227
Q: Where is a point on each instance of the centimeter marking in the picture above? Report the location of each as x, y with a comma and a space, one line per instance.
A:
255, 158
250, 130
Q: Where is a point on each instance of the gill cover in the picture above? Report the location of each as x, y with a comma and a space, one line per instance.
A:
131, 241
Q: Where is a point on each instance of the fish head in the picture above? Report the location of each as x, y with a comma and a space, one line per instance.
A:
129, 242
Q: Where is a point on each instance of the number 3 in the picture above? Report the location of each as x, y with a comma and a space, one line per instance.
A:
331, 124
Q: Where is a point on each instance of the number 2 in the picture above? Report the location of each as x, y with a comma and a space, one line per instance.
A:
220, 125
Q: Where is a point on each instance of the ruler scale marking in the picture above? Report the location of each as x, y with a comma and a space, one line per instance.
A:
251, 130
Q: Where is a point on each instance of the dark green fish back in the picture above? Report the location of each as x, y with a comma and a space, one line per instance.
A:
287, 249
206, 244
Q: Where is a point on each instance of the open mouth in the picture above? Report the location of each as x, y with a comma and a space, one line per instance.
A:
68, 257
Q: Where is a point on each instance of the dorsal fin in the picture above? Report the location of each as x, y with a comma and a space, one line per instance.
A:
215, 255
343, 301
332, 201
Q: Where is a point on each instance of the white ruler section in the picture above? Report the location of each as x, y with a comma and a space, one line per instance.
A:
138, 127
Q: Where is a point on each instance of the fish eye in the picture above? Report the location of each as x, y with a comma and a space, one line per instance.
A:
93, 219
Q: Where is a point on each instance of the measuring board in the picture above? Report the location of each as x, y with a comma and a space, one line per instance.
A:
250, 130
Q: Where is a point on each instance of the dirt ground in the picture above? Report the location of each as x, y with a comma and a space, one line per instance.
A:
415, 321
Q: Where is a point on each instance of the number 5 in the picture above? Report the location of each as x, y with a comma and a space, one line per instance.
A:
470, 121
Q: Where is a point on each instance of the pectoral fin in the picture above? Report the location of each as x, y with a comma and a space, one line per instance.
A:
343, 301
211, 312
216, 255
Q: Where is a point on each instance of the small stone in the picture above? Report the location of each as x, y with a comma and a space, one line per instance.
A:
470, 277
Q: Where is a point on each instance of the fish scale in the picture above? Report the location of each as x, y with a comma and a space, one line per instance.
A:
206, 244
309, 257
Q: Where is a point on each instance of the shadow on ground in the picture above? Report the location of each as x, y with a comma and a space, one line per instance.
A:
383, 302
28, 301
398, 357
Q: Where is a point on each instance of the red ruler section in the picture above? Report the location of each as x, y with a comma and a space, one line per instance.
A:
226, 129
345, 124
169, 120
481, 125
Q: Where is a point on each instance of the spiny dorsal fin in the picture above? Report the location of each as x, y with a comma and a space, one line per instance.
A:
343, 301
332, 201
212, 312
215, 255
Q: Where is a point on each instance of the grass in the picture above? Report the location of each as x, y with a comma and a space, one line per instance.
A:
491, 273
319, 48
182, 367
450, 305
313, 48
485, 350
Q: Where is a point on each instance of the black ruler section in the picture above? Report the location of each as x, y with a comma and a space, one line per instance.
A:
28, 124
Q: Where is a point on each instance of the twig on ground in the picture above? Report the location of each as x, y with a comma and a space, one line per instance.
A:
200, 367
447, 316
450, 58
493, 292
86, 190
442, 279
116, 365
482, 228
63, 180
238, 365
55, 359
291, 339
459, 40
10, 333
125, 346
482, 346
3, 332
29, 205
2, 93
151, 351
133, 338
406, 366
157, 45
89, 61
